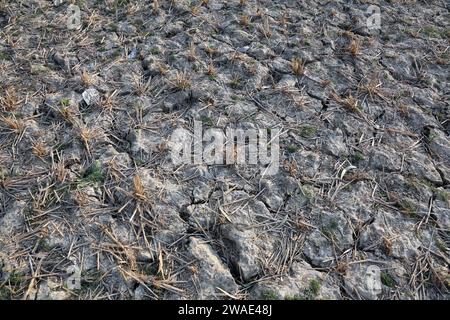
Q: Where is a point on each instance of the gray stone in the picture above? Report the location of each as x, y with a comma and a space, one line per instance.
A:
308, 163
241, 109
170, 224
201, 215
48, 291
385, 160
440, 144
334, 144
287, 81
245, 250
271, 194
363, 281
334, 236
421, 166
302, 283
144, 143
13, 219
213, 274
91, 96
201, 192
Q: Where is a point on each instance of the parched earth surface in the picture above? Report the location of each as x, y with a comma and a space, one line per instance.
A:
92, 207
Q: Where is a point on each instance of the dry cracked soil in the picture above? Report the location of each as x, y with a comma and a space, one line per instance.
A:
93, 207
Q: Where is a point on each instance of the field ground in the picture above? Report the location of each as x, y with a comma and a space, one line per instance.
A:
92, 207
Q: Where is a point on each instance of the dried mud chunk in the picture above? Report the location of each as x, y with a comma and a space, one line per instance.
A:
421, 166
201, 192
144, 143
385, 160
12, 219
212, 273
91, 96
246, 253
302, 283
439, 144
271, 195
48, 291
334, 144
201, 216
363, 281
241, 109
170, 225
333, 237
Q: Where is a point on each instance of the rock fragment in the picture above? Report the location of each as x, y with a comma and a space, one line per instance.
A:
363, 281
91, 96
212, 273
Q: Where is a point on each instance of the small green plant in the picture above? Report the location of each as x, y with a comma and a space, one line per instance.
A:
8, 287
234, 97
206, 120
269, 295
430, 31
95, 172
93, 175
309, 293
432, 136
121, 3
65, 102
407, 207
149, 269
357, 157
13, 285
15, 279
314, 287
291, 148
387, 280
308, 191
328, 230
3, 174
5, 293
441, 245
307, 131
4, 56
43, 245
235, 82
442, 195
90, 280
333, 225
